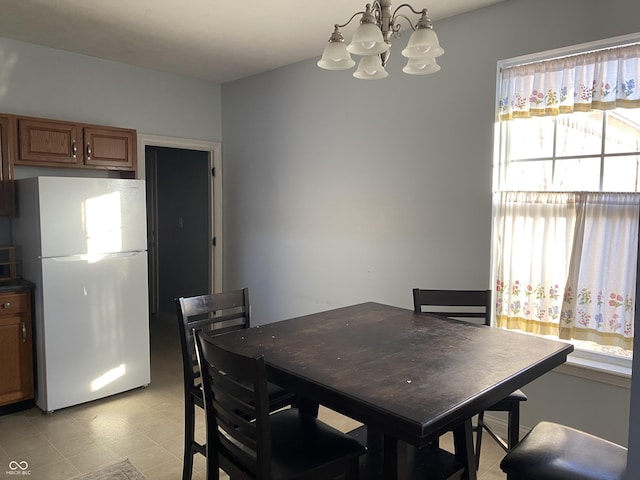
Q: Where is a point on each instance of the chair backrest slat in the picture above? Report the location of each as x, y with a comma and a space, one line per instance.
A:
458, 304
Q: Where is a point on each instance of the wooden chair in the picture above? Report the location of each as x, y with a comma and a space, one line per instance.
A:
279, 446
551, 451
218, 313
473, 305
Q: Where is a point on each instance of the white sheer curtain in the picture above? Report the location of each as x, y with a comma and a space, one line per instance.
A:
534, 234
566, 264
600, 290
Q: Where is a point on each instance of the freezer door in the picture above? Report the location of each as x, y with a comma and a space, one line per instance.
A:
91, 215
96, 328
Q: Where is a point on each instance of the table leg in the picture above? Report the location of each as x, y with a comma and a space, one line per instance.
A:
307, 406
463, 444
390, 458
375, 440
381, 460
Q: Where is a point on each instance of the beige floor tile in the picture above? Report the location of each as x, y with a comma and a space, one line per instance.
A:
14, 427
61, 470
151, 457
36, 457
73, 446
24, 445
169, 470
58, 429
175, 412
130, 445
108, 429
339, 421
202, 475
494, 473
93, 458
4, 458
148, 419
174, 445
199, 463
164, 431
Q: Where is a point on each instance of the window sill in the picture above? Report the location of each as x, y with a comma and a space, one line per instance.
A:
594, 367
589, 363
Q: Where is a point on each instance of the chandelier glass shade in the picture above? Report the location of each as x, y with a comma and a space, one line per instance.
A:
372, 41
421, 66
370, 68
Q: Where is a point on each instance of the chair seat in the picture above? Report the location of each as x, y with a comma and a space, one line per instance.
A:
505, 403
555, 452
303, 443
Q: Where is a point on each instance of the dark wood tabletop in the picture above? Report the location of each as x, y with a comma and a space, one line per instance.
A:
411, 376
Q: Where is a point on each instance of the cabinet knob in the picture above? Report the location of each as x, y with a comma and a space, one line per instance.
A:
24, 333
74, 149
6, 305
88, 151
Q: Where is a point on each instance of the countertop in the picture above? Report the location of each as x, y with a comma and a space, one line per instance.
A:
17, 284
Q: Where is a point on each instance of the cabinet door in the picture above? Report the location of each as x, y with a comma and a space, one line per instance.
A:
112, 148
16, 353
48, 142
6, 179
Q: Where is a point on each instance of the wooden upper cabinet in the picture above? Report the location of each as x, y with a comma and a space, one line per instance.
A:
48, 142
43, 142
110, 147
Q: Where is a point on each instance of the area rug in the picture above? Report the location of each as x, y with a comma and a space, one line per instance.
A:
119, 471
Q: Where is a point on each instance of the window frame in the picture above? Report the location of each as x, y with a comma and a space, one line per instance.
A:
583, 363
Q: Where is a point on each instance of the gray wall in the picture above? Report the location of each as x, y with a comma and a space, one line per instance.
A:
44, 82
340, 191
49, 83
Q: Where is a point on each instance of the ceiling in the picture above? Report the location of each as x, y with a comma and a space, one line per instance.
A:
214, 40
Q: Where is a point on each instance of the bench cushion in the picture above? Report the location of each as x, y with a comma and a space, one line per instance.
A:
555, 452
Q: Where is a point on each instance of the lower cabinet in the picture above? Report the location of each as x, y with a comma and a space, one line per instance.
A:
16, 347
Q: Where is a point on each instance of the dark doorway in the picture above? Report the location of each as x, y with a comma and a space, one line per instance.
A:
178, 206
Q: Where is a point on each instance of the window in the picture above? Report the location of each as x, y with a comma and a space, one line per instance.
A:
566, 196
594, 151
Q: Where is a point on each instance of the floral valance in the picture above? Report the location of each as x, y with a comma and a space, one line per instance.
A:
598, 80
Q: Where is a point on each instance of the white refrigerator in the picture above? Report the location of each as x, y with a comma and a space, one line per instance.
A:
83, 242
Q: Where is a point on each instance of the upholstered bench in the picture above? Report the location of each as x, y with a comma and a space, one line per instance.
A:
555, 452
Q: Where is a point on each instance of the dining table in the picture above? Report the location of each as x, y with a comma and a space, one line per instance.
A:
407, 377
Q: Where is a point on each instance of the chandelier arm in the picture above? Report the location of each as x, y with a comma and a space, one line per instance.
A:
417, 12
337, 25
396, 26
376, 6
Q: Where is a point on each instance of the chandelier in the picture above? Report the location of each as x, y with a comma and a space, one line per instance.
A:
371, 41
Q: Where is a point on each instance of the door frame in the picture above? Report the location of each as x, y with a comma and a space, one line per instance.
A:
214, 151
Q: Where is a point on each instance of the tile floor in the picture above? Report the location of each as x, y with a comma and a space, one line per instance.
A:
144, 425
